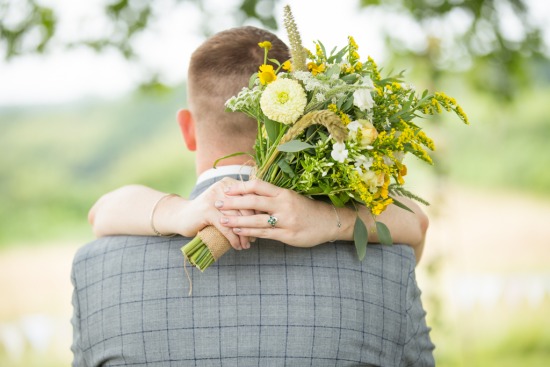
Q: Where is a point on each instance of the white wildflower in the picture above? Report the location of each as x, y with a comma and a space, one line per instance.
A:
362, 98
339, 152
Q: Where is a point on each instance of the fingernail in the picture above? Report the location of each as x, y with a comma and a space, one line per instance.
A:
236, 230
226, 189
218, 203
224, 220
247, 245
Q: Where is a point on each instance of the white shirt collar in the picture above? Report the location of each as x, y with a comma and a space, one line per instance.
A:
235, 169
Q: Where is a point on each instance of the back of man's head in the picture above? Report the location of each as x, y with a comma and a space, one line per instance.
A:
218, 70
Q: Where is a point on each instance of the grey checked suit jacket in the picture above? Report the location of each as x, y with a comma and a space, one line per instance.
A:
271, 305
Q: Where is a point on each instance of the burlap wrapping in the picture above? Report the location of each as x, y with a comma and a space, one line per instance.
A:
215, 241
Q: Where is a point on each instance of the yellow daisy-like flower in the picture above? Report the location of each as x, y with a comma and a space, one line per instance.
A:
287, 65
283, 101
266, 74
266, 45
316, 69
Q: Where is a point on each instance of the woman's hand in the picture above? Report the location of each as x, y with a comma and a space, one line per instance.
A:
127, 210
301, 222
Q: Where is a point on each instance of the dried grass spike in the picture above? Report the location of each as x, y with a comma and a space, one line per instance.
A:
324, 117
296, 48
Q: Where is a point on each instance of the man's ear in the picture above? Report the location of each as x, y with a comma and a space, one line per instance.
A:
187, 127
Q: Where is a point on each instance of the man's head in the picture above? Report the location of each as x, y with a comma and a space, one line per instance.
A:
218, 70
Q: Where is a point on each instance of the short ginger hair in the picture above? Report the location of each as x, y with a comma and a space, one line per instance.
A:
218, 70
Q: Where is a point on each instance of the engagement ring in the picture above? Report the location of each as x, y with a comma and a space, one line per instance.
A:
272, 221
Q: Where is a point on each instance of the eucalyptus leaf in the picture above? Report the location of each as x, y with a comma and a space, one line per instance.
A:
384, 235
285, 167
347, 105
334, 69
294, 146
361, 238
272, 128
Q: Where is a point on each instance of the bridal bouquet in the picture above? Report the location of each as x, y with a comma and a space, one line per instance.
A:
330, 125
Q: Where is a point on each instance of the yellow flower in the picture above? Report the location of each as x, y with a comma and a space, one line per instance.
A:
402, 172
266, 45
379, 207
344, 117
283, 101
287, 65
316, 69
352, 42
266, 74
318, 50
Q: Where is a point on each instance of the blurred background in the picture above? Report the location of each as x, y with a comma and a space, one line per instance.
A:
88, 95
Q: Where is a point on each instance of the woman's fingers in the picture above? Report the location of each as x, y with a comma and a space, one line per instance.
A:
252, 221
233, 238
257, 187
252, 203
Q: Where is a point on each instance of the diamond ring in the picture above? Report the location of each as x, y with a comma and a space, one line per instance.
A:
272, 221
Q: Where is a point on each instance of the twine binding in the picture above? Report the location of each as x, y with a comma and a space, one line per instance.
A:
215, 241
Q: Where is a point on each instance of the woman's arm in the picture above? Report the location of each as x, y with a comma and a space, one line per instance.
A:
128, 210
305, 222
241, 209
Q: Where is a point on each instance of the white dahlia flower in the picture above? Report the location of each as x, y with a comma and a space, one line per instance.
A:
283, 101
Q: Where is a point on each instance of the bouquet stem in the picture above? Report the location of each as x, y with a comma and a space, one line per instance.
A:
207, 247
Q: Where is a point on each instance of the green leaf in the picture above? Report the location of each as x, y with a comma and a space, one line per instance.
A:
336, 200
275, 61
294, 146
384, 235
229, 156
361, 238
347, 105
334, 69
272, 128
401, 205
285, 167
252, 80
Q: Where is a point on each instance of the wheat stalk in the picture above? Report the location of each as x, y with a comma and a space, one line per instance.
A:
324, 117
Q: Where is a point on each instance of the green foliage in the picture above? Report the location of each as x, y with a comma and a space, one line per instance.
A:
499, 60
499, 57
360, 238
506, 147
56, 161
34, 30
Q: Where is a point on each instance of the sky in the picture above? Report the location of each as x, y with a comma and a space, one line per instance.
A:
63, 76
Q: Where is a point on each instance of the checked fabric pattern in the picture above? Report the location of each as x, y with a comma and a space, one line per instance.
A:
272, 305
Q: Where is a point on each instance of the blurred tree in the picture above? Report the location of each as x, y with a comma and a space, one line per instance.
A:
27, 26
492, 39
